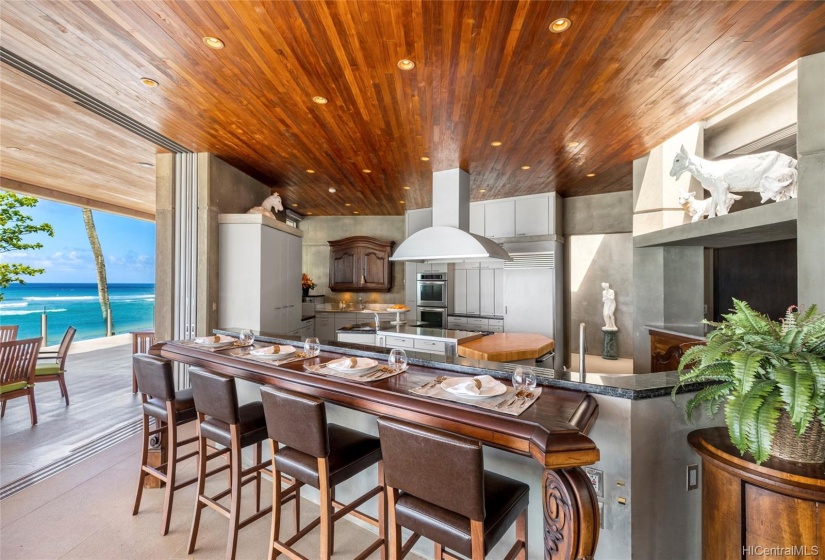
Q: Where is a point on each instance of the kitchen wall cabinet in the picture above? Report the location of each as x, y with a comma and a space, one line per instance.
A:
477, 219
500, 219
259, 284
360, 264
431, 267
533, 216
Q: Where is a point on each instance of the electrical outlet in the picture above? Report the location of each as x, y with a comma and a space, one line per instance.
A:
596, 479
692, 477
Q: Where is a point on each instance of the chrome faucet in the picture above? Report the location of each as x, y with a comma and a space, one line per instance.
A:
377, 321
582, 351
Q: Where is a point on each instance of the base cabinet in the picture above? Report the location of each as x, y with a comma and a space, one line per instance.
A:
776, 509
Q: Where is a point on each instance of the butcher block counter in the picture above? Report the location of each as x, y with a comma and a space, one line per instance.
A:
507, 347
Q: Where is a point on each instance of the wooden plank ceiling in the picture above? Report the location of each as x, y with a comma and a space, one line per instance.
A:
622, 79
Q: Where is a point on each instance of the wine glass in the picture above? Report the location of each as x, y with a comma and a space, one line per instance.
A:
518, 378
246, 337
312, 347
529, 380
398, 359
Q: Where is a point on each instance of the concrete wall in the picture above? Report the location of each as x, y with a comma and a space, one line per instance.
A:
164, 245
319, 231
598, 248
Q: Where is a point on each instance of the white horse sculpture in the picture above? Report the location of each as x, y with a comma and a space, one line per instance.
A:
697, 209
269, 206
772, 174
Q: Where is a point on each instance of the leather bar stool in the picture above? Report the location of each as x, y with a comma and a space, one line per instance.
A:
170, 409
437, 488
234, 427
320, 455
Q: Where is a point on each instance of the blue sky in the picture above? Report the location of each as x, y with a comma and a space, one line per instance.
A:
128, 247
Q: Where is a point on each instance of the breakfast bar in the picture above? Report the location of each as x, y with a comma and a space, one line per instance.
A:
553, 431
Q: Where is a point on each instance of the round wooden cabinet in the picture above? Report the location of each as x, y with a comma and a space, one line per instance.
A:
775, 509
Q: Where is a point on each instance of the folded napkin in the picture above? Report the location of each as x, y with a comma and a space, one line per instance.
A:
476, 386
344, 363
218, 338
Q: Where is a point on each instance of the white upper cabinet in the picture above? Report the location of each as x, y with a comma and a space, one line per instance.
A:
477, 219
533, 216
418, 220
500, 219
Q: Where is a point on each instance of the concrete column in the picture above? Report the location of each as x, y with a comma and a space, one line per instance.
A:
164, 246
810, 226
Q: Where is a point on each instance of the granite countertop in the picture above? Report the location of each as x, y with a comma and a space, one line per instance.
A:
699, 331
370, 327
625, 386
323, 308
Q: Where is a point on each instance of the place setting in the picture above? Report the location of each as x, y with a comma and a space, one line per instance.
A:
281, 354
485, 391
363, 370
219, 342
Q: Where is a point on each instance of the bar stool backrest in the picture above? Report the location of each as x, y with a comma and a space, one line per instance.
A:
154, 376
214, 395
435, 466
296, 421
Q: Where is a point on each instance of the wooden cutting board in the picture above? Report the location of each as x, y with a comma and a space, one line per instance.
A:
507, 347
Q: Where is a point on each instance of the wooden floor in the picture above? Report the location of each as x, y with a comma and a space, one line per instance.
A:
100, 390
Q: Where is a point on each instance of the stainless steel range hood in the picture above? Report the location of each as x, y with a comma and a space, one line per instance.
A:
449, 239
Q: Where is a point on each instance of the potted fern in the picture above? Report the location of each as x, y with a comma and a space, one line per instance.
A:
770, 375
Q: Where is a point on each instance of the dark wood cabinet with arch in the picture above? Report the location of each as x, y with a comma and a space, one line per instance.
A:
360, 264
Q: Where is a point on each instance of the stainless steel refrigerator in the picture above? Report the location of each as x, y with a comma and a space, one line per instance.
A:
533, 285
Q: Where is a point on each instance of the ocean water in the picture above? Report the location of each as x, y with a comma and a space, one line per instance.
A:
133, 307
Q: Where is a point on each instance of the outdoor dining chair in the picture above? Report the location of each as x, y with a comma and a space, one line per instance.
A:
8, 332
17, 359
51, 365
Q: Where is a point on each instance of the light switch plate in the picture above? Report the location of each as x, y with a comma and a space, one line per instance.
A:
596, 479
692, 477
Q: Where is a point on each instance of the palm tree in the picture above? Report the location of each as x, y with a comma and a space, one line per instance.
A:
100, 263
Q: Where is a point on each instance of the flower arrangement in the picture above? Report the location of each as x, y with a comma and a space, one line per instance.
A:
306, 282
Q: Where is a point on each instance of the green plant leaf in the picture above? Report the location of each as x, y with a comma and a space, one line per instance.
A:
796, 385
762, 429
711, 395
746, 366
741, 410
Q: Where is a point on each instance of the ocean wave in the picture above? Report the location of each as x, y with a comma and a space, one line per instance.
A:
60, 298
15, 304
140, 297
28, 312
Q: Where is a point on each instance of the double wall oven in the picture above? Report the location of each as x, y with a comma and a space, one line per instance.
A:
432, 298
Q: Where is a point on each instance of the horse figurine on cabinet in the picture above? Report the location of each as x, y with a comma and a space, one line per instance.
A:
271, 205
771, 174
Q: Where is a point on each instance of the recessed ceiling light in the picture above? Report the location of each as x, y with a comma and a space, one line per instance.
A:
145, 164
148, 82
367, 170
495, 143
406, 64
309, 213
525, 167
482, 190
424, 158
295, 204
310, 171
331, 189
560, 24
591, 174
356, 212
402, 202
213, 43
320, 100
406, 188
348, 204
573, 144
13, 149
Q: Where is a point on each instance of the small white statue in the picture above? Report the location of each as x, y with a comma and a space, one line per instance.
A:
609, 299
697, 209
771, 174
268, 207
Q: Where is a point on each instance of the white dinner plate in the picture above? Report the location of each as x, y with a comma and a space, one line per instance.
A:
284, 350
210, 342
362, 365
492, 389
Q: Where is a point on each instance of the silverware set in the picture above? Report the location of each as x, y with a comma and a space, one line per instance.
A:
519, 400
377, 373
430, 384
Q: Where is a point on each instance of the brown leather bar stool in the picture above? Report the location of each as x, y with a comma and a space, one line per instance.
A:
437, 488
320, 455
170, 409
234, 427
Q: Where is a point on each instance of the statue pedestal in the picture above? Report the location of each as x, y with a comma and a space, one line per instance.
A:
611, 347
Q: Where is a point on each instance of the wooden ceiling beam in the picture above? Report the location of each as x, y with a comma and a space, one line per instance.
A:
56, 195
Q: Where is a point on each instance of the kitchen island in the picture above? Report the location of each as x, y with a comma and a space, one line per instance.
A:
640, 434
